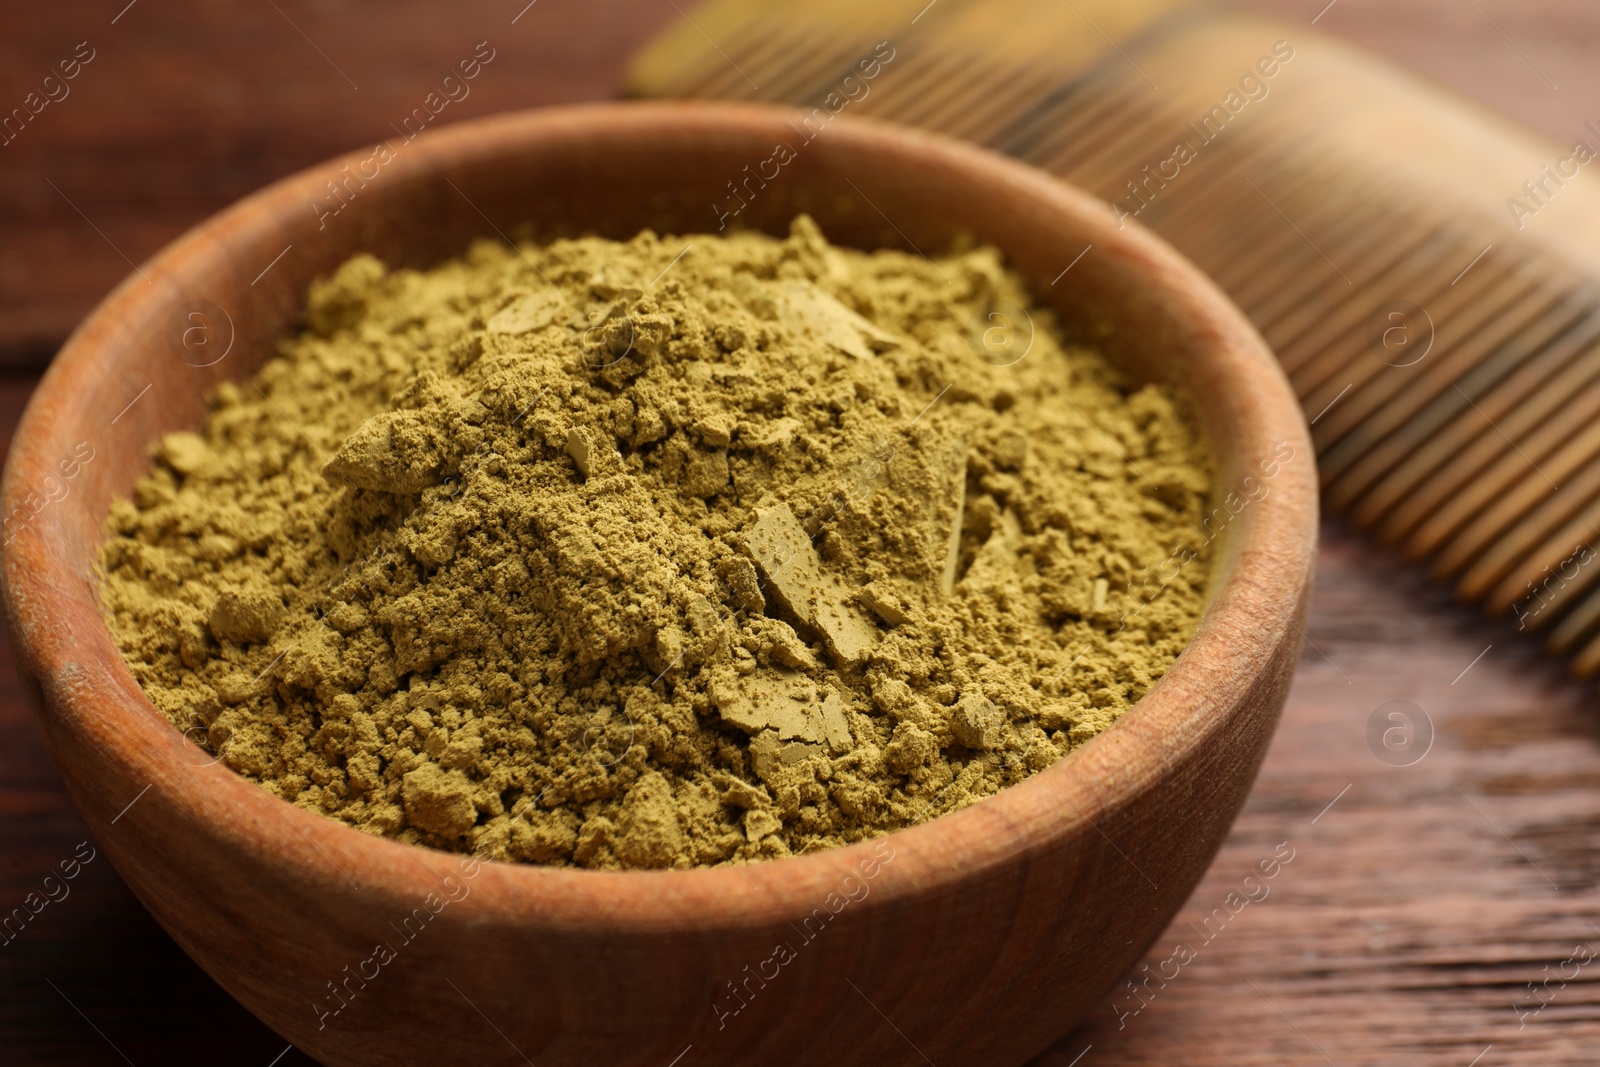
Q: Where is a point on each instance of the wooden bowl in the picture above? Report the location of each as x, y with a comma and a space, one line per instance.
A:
977, 938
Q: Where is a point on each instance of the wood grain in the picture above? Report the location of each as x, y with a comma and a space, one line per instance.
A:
1403, 930
1419, 905
187, 107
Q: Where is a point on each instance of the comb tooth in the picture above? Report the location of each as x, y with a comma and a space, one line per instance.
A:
1518, 581
1331, 218
1256, 243
1320, 333
1291, 316
1232, 198
1389, 474
1438, 473
1076, 150
1124, 155
1282, 253
807, 81
1205, 216
1285, 311
929, 72
937, 79
1146, 139
999, 107
1278, 287
803, 74
1270, 264
1099, 133
675, 64
1470, 320
1581, 624
1587, 661
1503, 495
1069, 109
1261, 244
750, 41
1502, 533
797, 54
1500, 563
800, 76
1205, 189
998, 101
1061, 105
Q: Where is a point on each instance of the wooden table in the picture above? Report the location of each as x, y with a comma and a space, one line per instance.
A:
1421, 900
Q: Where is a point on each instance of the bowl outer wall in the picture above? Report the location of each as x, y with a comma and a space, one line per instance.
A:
987, 934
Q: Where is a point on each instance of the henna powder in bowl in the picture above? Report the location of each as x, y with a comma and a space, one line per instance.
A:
664, 553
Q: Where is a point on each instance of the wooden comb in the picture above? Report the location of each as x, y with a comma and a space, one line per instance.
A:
1426, 272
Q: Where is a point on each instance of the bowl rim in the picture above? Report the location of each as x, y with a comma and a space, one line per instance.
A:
90, 690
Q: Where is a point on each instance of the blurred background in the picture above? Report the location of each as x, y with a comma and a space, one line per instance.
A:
1428, 904
188, 106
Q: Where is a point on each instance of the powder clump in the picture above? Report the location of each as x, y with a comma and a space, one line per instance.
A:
661, 553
